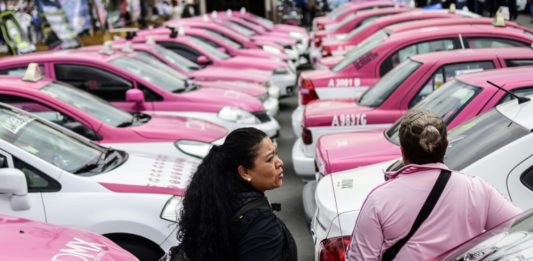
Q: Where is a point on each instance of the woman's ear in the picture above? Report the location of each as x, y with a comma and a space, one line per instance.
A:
243, 172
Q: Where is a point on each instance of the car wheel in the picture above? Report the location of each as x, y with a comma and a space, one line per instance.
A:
140, 250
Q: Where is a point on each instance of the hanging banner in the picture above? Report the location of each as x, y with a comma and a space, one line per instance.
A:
77, 13
62, 30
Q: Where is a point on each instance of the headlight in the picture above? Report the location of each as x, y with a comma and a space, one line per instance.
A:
171, 209
273, 92
271, 49
193, 148
296, 35
281, 70
237, 115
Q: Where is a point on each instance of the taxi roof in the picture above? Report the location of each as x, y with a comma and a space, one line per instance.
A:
15, 81
441, 22
501, 77
478, 30
87, 54
473, 54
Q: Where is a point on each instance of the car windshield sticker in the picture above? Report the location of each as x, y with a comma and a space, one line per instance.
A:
15, 122
348, 120
461, 72
344, 82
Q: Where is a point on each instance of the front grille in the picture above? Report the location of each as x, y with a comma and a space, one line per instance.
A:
262, 116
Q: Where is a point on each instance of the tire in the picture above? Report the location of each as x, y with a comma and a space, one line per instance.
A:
140, 250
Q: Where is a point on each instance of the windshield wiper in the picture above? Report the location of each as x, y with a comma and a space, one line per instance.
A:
90, 166
127, 123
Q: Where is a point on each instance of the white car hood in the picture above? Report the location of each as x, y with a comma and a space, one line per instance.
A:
149, 173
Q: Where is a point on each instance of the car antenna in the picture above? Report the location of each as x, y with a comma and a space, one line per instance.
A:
519, 98
173, 31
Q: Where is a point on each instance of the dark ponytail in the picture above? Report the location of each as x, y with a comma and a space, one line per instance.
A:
204, 225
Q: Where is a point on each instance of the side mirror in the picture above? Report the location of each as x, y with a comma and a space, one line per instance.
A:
13, 182
134, 95
202, 60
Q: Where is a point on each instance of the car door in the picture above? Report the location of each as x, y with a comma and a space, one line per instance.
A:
520, 179
35, 181
102, 83
405, 52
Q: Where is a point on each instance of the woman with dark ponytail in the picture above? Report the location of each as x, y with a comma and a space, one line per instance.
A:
225, 214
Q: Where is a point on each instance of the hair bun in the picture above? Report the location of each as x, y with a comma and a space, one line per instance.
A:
429, 138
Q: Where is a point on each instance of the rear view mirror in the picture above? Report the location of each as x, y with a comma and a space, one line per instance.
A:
134, 95
13, 183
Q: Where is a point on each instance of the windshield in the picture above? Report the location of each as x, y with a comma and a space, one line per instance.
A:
176, 59
365, 24
210, 49
226, 40
361, 50
88, 103
337, 12
241, 29
46, 142
151, 74
480, 136
154, 61
229, 34
446, 102
267, 22
378, 93
342, 23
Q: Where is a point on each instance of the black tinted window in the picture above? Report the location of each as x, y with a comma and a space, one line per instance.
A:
519, 62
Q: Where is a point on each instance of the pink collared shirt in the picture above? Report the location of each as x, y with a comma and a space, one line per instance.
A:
467, 207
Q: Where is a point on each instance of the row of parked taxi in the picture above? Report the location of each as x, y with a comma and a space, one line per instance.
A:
373, 62
106, 138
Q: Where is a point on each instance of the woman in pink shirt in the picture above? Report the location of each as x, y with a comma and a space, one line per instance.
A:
462, 208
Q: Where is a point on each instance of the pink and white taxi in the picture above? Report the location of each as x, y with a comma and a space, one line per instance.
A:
339, 45
138, 87
405, 22
494, 146
320, 23
64, 179
162, 58
101, 122
23, 239
385, 49
397, 92
204, 54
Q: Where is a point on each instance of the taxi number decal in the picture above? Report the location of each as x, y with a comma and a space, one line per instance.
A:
16, 122
344, 82
348, 120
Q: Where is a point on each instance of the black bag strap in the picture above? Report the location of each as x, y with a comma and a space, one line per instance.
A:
258, 203
428, 206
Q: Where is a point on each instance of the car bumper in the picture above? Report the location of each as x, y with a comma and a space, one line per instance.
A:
308, 200
271, 106
286, 83
170, 241
304, 166
296, 120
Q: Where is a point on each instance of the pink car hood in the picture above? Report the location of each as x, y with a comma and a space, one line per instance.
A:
173, 128
22, 239
225, 97
322, 112
161, 174
342, 151
221, 73
252, 89
254, 63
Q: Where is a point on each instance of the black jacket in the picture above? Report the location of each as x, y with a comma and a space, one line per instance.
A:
260, 235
